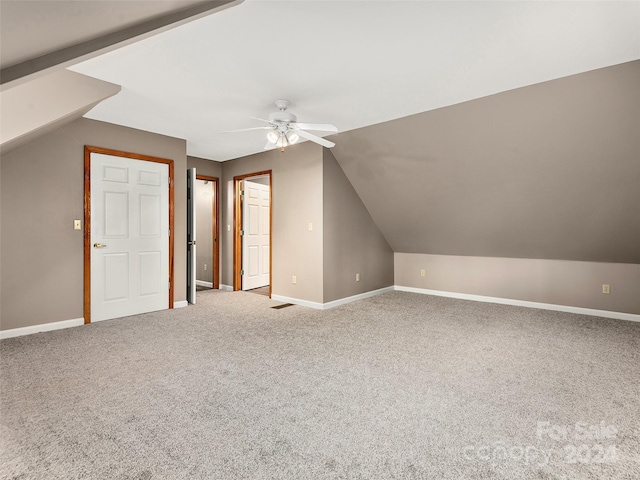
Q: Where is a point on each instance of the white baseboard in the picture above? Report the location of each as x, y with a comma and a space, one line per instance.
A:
524, 303
297, 301
202, 283
355, 298
45, 327
226, 288
334, 303
180, 304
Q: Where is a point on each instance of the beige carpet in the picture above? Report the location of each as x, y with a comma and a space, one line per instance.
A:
261, 290
398, 386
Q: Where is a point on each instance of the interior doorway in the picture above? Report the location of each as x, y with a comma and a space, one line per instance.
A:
203, 253
207, 258
252, 246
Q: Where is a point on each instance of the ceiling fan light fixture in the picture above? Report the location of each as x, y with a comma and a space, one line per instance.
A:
284, 129
273, 137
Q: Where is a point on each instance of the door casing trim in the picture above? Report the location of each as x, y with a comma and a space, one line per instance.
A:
88, 150
216, 229
237, 226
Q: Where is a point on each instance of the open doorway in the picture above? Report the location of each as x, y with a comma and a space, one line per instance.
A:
252, 233
203, 266
207, 266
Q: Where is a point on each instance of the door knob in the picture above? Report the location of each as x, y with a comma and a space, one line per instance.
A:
99, 245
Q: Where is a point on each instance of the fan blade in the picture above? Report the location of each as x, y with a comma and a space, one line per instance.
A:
247, 129
320, 127
261, 119
314, 138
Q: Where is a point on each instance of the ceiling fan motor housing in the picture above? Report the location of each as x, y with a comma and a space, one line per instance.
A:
282, 117
282, 120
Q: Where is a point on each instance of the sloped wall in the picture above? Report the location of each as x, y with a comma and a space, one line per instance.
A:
549, 171
352, 242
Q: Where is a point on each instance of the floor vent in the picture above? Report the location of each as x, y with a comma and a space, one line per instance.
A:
284, 305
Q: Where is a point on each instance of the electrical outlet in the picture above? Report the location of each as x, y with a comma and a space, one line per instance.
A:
422, 273
294, 279
205, 267
606, 289
357, 277
228, 228
77, 224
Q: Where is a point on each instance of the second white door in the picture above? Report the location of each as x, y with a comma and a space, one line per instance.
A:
256, 261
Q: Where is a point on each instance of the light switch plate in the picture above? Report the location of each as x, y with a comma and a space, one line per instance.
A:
77, 224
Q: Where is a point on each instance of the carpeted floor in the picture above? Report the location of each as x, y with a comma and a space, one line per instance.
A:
398, 386
261, 290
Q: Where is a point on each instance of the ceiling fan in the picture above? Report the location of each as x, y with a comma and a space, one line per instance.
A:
284, 129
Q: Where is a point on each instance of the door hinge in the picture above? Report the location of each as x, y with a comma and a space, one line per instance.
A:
241, 272
169, 284
242, 193
241, 233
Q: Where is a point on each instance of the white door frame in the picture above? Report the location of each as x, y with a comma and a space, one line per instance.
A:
192, 247
237, 227
88, 150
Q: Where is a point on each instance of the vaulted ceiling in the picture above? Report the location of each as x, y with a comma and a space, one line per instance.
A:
467, 128
352, 64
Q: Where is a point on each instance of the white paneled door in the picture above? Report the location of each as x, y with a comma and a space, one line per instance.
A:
129, 236
256, 219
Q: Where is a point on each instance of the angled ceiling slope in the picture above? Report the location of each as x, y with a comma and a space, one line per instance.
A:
351, 64
33, 108
39, 38
546, 171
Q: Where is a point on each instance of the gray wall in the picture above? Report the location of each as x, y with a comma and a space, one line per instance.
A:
352, 241
530, 194
205, 167
41, 195
560, 282
296, 202
547, 171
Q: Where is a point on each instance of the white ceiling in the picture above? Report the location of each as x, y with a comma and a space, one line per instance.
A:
352, 64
